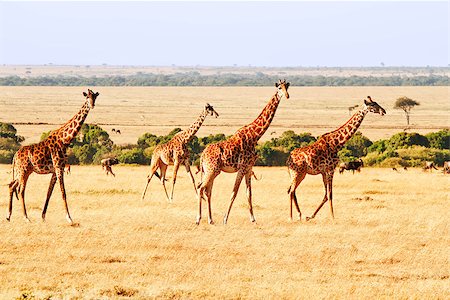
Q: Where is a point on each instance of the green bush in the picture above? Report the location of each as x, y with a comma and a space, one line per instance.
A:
6, 156
133, 156
391, 162
417, 155
355, 147
404, 140
439, 139
289, 140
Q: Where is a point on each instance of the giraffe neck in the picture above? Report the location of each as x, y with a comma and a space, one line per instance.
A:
186, 135
340, 136
258, 127
69, 131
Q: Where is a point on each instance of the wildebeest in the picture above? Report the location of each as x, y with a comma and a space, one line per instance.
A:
351, 165
429, 165
107, 163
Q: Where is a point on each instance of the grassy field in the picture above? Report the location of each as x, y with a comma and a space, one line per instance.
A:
390, 239
136, 110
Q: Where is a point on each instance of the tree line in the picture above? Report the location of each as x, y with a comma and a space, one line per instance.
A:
93, 144
226, 79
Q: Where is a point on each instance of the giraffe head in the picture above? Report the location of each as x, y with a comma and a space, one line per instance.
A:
282, 87
210, 110
373, 107
90, 97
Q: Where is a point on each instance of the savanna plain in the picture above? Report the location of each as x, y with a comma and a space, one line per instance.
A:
137, 110
390, 237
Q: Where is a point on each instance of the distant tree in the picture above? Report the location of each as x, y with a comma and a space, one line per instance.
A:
406, 104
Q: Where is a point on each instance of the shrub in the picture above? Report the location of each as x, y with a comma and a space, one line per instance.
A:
439, 139
391, 162
355, 147
404, 140
133, 156
417, 155
6, 156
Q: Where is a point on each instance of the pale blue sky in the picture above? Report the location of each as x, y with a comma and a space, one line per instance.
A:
226, 33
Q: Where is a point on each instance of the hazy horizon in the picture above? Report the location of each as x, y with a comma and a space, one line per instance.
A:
226, 34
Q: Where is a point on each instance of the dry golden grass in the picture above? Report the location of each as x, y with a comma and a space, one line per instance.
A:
390, 239
136, 110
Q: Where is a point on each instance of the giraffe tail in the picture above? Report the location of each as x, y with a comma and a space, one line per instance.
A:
200, 169
14, 183
158, 176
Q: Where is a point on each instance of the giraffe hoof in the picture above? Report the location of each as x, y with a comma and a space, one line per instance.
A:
8, 219
27, 220
308, 218
69, 219
211, 222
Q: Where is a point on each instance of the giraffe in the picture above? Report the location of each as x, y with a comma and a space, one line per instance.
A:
321, 157
47, 157
176, 152
237, 154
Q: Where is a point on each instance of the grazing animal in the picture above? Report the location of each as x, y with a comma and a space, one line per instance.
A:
405, 168
107, 164
118, 131
446, 169
113, 130
237, 154
47, 157
429, 165
321, 157
176, 152
394, 169
351, 165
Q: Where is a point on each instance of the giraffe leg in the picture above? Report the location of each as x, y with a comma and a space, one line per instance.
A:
49, 194
149, 177
237, 183
205, 187
248, 183
330, 193
60, 175
188, 169
21, 187
12, 190
176, 166
297, 178
163, 168
208, 195
199, 198
325, 199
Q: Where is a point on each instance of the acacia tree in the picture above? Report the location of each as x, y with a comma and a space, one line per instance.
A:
405, 104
